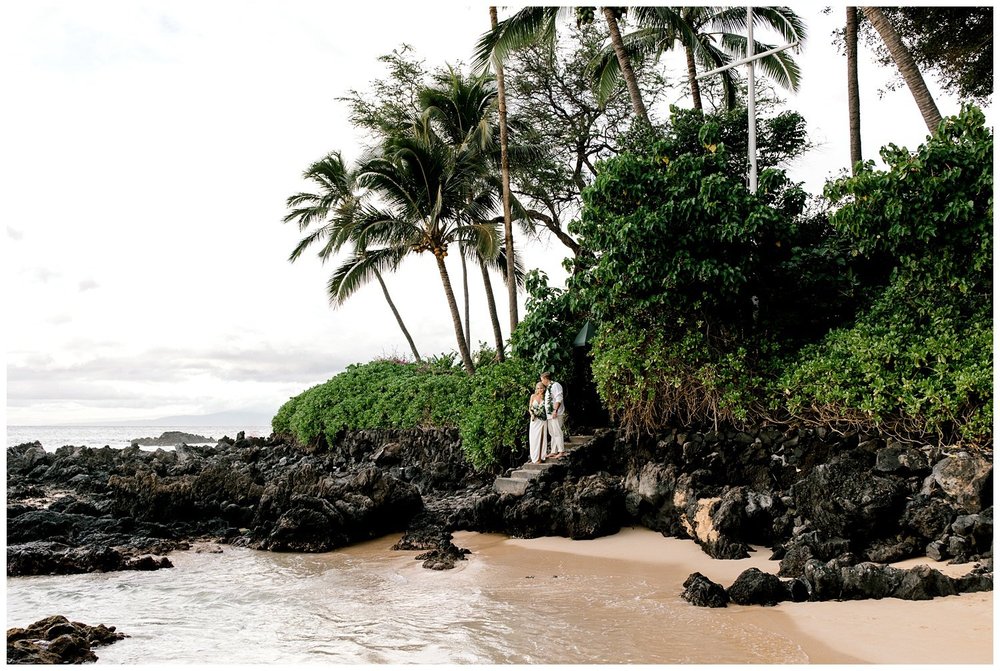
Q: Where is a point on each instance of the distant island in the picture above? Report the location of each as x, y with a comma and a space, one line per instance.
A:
172, 439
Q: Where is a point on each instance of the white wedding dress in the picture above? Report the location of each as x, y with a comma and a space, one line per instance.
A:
537, 433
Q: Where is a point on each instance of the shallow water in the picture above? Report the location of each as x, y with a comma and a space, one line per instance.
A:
369, 604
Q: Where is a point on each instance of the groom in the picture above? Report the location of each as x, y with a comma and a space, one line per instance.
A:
556, 411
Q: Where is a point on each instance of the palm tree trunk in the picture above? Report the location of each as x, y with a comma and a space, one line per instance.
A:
399, 320
465, 291
853, 96
491, 303
626, 67
463, 348
693, 77
906, 65
508, 230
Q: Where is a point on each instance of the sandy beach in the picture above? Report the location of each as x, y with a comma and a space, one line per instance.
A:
946, 630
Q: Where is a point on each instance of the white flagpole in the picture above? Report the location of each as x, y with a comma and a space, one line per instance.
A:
751, 104
751, 93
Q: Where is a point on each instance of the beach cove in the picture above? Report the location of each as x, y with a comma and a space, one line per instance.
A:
550, 600
269, 551
944, 630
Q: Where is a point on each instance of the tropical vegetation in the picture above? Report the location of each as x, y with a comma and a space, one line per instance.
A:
691, 299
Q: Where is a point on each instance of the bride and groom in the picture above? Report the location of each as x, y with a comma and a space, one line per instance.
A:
545, 433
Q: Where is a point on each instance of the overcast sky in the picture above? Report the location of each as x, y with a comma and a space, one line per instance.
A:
147, 151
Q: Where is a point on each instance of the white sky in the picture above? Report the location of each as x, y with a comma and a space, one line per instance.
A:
147, 151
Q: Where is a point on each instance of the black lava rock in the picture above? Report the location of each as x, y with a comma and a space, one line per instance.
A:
700, 591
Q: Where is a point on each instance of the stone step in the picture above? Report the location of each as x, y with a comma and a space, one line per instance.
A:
510, 486
518, 480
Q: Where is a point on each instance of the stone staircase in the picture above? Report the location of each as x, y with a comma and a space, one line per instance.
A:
519, 478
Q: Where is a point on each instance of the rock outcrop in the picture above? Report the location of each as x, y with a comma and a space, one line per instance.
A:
171, 439
86, 509
56, 640
825, 503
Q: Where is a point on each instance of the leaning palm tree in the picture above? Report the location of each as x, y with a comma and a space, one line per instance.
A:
907, 66
461, 108
463, 111
710, 38
333, 208
611, 15
422, 184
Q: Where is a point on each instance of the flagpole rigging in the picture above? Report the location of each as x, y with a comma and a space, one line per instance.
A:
751, 93
751, 104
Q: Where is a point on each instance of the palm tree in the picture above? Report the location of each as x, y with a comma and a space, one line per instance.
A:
611, 15
853, 96
335, 206
423, 187
462, 109
533, 24
907, 66
710, 37
508, 229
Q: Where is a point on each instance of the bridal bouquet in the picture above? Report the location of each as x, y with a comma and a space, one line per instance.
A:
538, 411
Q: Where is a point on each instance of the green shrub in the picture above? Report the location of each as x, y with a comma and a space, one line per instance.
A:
494, 426
650, 376
489, 409
380, 394
685, 270
919, 359
281, 423
551, 322
909, 376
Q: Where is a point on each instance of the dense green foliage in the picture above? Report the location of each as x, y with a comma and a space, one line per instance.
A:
685, 270
920, 358
380, 394
489, 409
955, 43
717, 304
545, 335
494, 423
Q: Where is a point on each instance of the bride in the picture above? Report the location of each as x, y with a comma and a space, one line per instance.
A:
537, 435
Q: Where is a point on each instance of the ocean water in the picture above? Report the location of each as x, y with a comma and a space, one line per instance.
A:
369, 604
54, 437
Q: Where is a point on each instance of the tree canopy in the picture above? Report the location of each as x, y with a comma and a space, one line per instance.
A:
953, 43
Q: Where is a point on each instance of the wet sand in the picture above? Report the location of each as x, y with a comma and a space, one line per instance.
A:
945, 630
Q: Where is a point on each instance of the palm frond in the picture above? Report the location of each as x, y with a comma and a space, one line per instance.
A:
306, 242
782, 20
780, 66
357, 270
499, 263
606, 74
528, 25
481, 238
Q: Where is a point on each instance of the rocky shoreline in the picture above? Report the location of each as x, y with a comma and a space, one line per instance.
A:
835, 509
56, 640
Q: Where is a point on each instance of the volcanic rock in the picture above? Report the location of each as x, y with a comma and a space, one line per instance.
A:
700, 591
56, 640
